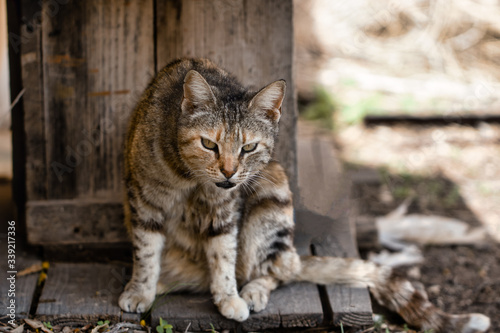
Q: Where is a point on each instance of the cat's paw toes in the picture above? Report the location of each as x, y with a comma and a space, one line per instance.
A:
134, 301
255, 297
234, 308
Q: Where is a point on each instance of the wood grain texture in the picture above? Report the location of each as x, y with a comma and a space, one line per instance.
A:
251, 39
85, 65
181, 310
351, 306
98, 56
325, 205
75, 222
82, 291
295, 305
24, 286
34, 117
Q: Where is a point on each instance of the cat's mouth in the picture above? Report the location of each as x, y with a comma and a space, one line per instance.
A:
225, 184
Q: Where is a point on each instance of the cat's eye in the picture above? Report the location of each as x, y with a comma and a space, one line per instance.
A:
249, 147
208, 144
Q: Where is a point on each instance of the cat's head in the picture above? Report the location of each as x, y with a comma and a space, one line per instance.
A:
226, 140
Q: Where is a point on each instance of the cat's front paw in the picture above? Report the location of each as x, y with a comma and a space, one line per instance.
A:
255, 296
135, 299
234, 307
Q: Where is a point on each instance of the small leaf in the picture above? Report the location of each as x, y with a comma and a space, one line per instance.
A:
42, 278
159, 329
30, 270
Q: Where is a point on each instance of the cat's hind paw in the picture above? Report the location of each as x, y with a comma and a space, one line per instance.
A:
134, 301
234, 307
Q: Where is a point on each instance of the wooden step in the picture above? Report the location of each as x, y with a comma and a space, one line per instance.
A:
23, 287
326, 220
294, 305
75, 293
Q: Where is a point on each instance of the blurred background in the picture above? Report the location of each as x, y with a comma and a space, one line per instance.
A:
437, 61
409, 92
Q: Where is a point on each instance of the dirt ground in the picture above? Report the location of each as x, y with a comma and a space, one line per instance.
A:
450, 177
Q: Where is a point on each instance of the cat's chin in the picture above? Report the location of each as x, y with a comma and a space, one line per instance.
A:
225, 185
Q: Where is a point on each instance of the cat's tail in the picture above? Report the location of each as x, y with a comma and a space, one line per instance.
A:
392, 291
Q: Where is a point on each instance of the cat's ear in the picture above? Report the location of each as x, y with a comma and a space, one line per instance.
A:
269, 100
197, 92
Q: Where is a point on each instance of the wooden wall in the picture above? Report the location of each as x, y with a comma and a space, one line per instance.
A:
84, 65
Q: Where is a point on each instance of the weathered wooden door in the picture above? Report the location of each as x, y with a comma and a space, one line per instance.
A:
84, 66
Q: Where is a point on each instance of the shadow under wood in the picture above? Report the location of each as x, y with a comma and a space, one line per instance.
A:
377, 192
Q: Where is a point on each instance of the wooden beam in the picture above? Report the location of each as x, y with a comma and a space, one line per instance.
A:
431, 120
325, 205
98, 56
75, 222
83, 292
24, 286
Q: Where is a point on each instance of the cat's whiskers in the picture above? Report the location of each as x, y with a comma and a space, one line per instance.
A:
248, 186
252, 182
262, 177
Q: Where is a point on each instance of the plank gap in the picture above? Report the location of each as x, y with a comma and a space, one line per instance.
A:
40, 283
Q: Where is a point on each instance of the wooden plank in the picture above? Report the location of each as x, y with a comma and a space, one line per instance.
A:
75, 222
98, 58
32, 77
181, 310
76, 292
102, 252
431, 120
350, 306
298, 305
253, 40
17, 113
325, 203
294, 305
23, 287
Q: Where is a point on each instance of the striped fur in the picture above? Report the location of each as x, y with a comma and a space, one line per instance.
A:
208, 210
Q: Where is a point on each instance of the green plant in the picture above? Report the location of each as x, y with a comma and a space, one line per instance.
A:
164, 327
100, 322
48, 325
341, 327
322, 108
212, 330
377, 324
355, 112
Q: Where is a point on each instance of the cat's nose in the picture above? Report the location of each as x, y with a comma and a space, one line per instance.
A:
228, 173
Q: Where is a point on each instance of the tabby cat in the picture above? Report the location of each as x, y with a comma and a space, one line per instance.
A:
209, 210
